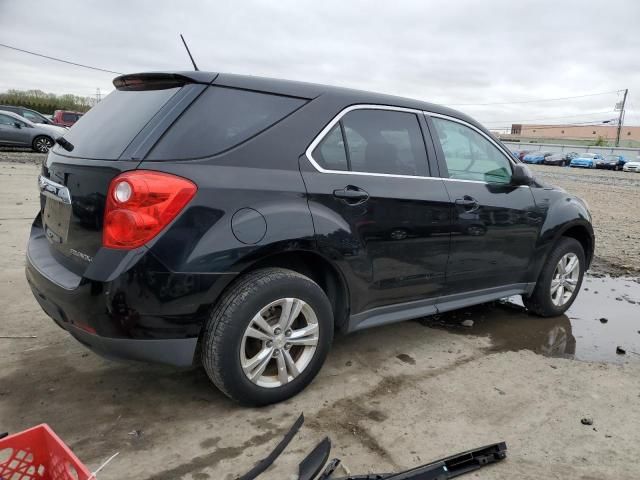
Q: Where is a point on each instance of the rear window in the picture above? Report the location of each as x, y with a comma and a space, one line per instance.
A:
107, 129
220, 119
70, 117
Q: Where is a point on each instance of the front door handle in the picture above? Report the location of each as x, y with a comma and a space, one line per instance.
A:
469, 204
352, 195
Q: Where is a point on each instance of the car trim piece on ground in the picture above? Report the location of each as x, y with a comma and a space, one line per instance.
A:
325, 131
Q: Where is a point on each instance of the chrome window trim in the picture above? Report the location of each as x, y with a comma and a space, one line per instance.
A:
323, 133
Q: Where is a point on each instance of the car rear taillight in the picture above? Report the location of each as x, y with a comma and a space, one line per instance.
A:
140, 204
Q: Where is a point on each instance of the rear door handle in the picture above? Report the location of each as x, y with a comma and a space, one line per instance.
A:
470, 204
352, 195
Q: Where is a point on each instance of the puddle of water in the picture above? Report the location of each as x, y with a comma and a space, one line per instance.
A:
579, 334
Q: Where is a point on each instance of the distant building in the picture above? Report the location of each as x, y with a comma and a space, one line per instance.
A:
629, 136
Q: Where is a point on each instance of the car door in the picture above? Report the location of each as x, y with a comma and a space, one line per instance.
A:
377, 211
11, 133
495, 224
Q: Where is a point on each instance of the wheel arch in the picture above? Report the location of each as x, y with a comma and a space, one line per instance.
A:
317, 268
583, 233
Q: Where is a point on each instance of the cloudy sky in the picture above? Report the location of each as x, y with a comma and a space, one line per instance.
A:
455, 52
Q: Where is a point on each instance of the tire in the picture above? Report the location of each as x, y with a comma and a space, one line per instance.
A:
540, 302
225, 342
42, 144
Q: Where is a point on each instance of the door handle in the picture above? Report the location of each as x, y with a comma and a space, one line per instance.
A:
352, 195
470, 204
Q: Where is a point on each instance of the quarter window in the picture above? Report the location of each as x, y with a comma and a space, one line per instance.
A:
330, 152
469, 155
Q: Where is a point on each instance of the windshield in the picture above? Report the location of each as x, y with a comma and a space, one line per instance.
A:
612, 157
588, 155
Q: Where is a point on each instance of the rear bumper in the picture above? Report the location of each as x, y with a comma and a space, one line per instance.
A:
179, 352
146, 313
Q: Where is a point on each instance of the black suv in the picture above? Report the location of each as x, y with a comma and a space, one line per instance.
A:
240, 221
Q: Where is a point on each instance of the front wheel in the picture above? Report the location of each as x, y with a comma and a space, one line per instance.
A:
42, 144
268, 336
559, 281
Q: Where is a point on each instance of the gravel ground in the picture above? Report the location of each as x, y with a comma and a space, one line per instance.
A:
614, 202
389, 398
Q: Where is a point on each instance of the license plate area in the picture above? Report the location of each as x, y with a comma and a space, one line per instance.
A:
56, 219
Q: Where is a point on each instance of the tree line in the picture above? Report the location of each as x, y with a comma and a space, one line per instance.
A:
46, 102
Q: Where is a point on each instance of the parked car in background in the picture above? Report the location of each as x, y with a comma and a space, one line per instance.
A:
560, 159
66, 117
536, 157
632, 166
161, 240
522, 153
31, 115
586, 160
17, 131
611, 162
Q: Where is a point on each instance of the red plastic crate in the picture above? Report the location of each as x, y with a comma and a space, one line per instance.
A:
39, 454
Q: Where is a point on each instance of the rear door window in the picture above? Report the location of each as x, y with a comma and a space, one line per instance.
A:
385, 141
220, 119
106, 130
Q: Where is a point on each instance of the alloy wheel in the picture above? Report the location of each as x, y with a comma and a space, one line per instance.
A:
279, 342
43, 144
565, 279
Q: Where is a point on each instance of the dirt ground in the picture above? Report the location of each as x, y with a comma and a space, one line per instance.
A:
389, 398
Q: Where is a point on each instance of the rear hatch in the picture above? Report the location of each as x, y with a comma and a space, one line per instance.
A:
111, 138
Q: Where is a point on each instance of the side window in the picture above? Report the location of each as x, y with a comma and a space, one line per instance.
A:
469, 155
330, 153
385, 141
220, 119
7, 120
31, 116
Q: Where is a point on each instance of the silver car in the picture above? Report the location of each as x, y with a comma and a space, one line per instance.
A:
17, 131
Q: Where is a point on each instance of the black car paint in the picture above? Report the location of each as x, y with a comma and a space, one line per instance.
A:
262, 200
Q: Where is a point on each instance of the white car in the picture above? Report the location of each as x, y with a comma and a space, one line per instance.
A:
632, 166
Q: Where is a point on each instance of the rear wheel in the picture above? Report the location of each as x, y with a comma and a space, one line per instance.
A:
42, 144
268, 336
559, 281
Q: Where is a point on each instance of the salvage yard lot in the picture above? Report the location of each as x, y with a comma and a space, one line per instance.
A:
389, 398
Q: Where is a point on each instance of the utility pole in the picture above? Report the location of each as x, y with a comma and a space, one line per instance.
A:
98, 95
621, 117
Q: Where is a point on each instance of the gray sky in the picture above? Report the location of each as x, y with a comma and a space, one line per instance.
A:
450, 52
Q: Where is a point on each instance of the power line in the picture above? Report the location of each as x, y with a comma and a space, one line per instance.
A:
59, 59
531, 101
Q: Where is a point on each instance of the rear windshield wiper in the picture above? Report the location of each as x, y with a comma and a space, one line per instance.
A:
66, 144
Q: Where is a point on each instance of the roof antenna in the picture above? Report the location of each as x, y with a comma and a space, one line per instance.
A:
190, 56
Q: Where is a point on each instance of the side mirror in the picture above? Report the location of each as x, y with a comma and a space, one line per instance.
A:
17, 124
521, 175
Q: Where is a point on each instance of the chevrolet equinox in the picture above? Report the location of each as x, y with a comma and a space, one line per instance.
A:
239, 222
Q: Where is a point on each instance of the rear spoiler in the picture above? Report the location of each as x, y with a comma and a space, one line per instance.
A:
161, 81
